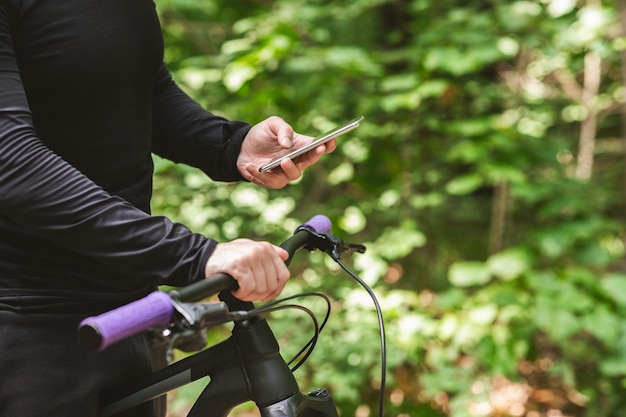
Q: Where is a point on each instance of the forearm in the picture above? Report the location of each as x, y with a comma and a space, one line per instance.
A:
184, 132
53, 200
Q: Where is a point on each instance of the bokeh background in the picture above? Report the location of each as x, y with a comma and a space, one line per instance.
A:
487, 181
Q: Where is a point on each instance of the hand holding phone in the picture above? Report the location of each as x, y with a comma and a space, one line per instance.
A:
352, 124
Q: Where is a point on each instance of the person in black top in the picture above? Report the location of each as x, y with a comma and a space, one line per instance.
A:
85, 99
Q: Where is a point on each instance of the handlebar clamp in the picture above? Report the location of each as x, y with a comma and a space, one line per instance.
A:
329, 243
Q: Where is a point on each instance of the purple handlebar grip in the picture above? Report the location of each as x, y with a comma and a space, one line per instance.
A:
320, 223
99, 332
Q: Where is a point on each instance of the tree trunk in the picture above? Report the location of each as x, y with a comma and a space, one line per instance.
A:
499, 212
621, 6
587, 138
588, 128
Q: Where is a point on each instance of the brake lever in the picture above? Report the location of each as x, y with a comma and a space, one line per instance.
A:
198, 316
353, 248
331, 244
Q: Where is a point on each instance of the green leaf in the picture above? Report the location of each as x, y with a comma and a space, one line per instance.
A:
509, 264
559, 324
483, 314
397, 242
237, 74
464, 185
614, 287
603, 324
467, 274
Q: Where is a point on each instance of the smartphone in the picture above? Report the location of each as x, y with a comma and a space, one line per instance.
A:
352, 124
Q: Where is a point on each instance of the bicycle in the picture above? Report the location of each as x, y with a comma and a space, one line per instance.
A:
245, 367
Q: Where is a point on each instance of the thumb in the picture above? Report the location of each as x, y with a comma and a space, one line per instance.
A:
284, 255
284, 132
285, 141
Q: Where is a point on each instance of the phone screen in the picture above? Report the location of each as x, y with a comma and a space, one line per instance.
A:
352, 124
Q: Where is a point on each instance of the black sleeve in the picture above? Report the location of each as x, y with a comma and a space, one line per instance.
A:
184, 132
49, 197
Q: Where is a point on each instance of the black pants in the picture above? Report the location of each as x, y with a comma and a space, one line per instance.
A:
45, 372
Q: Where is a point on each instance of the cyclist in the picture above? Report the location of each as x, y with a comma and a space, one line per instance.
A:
85, 98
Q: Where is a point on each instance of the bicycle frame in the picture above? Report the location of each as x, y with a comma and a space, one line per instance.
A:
245, 367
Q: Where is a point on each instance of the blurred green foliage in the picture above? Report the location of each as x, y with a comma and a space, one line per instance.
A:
499, 263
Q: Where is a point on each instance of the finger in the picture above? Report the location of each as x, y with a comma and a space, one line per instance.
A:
310, 157
280, 268
252, 174
291, 170
273, 294
282, 275
278, 273
269, 280
254, 288
262, 276
282, 253
273, 179
283, 130
245, 288
331, 145
246, 280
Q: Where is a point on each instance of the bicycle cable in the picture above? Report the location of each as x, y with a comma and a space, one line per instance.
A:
333, 246
305, 352
381, 326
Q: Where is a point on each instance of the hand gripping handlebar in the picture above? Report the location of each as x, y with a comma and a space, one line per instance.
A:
158, 308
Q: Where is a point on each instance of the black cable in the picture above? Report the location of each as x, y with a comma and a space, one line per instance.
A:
277, 305
381, 326
302, 295
312, 342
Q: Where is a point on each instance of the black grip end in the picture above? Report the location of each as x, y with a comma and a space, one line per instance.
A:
89, 337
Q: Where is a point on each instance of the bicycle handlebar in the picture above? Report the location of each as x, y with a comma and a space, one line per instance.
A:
99, 332
157, 308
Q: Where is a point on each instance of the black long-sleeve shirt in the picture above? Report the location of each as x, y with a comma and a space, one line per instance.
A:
85, 98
